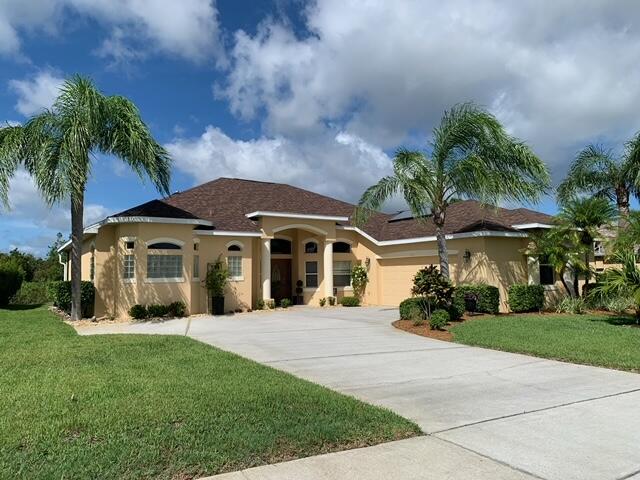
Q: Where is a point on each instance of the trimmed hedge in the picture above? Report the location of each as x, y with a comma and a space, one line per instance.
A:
174, 310
526, 298
61, 294
439, 319
138, 312
487, 295
10, 282
33, 293
409, 305
350, 301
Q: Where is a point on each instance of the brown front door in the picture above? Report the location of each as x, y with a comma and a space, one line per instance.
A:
280, 279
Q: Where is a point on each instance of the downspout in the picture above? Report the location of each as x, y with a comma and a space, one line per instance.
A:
64, 265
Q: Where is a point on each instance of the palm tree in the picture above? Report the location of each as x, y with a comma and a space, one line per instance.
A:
57, 148
586, 216
624, 281
597, 171
471, 157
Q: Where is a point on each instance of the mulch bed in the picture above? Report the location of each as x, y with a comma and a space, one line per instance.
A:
425, 330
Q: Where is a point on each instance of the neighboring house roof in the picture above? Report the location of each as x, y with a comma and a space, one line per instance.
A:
225, 203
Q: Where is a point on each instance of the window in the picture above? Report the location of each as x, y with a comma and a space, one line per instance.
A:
280, 246
234, 248
341, 247
598, 249
164, 246
164, 266
196, 247
547, 275
311, 247
92, 264
129, 267
311, 274
129, 245
196, 267
341, 274
234, 263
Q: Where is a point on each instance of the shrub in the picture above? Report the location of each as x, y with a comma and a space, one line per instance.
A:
285, 303
526, 298
619, 304
260, 304
433, 287
177, 309
10, 282
332, 301
487, 297
455, 308
323, 302
271, 304
577, 306
32, 293
217, 278
439, 319
138, 312
416, 314
61, 295
157, 311
359, 279
350, 301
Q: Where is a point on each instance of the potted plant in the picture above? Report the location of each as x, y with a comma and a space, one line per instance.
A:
299, 297
217, 280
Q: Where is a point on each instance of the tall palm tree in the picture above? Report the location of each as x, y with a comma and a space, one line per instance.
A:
586, 216
471, 157
57, 148
597, 171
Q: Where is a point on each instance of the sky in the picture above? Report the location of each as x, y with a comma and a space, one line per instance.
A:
315, 94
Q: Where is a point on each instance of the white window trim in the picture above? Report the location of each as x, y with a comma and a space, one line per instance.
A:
174, 241
310, 289
317, 274
164, 280
129, 280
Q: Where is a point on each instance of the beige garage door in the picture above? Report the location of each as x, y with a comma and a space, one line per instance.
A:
397, 277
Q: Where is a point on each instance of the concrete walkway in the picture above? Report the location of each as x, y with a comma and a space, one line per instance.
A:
494, 412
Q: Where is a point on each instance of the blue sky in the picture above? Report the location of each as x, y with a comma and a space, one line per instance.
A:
316, 94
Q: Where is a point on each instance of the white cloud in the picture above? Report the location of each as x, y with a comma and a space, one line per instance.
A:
28, 210
37, 93
187, 29
336, 164
557, 75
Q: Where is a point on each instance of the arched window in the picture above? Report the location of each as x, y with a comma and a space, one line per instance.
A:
164, 246
234, 261
341, 247
311, 247
234, 248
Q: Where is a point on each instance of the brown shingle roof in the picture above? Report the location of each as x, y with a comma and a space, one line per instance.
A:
226, 201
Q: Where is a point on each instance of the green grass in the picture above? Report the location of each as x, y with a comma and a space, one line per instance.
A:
601, 340
133, 406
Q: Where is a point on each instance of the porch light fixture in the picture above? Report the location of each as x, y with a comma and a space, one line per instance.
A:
367, 262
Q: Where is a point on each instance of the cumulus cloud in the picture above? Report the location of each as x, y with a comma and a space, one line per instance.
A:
28, 210
557, 76
187, 29
37, 93
337, 164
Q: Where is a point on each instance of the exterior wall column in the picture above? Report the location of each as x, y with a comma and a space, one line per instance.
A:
533, 270
328, 268
265, 271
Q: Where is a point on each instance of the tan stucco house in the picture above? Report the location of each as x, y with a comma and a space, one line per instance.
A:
272, 235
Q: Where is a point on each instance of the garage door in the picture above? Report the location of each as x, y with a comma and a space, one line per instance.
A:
397, 277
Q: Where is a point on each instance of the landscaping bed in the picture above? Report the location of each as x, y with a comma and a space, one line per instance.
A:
168, 407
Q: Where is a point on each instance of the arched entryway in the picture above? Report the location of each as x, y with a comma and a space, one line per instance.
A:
281, 259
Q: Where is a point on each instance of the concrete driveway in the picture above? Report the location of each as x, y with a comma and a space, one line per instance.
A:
548, 419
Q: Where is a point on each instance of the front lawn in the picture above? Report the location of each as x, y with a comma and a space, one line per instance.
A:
133, 406
593, 339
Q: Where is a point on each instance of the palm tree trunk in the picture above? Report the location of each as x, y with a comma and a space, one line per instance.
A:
443, 255
77, 209
564, 282
622, 201
587, 273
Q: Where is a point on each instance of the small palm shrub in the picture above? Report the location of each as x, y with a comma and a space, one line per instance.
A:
323, 302
623, 282
177, 309
439, 319
285, 303
526, 298
158, 311
350, 301
332, 301
138, 312
576, 306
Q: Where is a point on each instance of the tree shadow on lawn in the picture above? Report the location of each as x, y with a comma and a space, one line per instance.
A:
22, 307
617, 320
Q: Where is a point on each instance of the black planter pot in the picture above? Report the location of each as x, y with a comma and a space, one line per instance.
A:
217, 304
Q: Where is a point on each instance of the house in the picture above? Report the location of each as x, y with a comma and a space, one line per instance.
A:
273, 235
